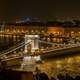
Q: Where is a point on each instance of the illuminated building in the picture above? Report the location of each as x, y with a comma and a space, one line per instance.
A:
48, 29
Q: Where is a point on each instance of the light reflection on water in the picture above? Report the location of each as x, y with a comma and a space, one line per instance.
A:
69, 65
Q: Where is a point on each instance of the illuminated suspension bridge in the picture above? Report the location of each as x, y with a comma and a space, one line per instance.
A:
55, 47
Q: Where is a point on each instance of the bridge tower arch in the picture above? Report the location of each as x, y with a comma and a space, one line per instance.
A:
34, 44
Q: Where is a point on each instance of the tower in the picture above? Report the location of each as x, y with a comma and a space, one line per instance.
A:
34, 45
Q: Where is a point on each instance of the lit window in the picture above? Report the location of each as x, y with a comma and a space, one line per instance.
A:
72, 32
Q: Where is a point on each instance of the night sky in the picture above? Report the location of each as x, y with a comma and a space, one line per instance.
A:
43, 9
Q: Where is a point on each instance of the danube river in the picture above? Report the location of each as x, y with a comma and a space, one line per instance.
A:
7, 41
70, 64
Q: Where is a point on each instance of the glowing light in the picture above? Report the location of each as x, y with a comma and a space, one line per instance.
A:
72, 32
42, 31
37, 58
32, 58
54, 32
57, 32
48, 39
28, 63
32, 31
58, 64
18, 31
22, 31
69, 60
27, 58
7, 30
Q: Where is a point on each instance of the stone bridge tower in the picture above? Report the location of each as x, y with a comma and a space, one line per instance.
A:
34, 45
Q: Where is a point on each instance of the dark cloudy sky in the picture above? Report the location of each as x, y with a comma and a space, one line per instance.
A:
43, 9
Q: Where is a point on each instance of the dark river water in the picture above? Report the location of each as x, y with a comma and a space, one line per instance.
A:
7, 41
